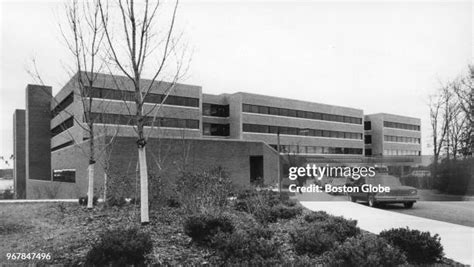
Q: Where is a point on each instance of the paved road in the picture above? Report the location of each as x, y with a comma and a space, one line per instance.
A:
458, 212
457, 240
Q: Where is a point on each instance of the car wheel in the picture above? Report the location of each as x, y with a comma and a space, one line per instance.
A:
371, 200
408, 205
351, 198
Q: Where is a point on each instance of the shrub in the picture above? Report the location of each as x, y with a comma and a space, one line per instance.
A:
267, 206
116, 201
317, 216
340, 227
198, 191
173, 203
419, 247
322, 233
365, 250
120, 246
312, 240
83, 200
202, 227
8, 194
254, 244
284, 212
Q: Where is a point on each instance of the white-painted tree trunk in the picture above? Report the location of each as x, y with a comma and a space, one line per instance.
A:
105, 186
143, 185
90, 191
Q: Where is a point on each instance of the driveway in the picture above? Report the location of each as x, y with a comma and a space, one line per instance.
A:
457, 240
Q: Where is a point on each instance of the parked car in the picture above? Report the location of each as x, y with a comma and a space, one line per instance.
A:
369, 189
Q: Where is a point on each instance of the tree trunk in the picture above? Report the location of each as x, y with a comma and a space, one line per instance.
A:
90, 193
105, 186
143, 185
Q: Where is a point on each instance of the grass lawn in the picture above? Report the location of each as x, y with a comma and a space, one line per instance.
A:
67, 230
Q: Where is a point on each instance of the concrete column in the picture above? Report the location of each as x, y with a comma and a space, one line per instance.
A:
38, 134
19, 171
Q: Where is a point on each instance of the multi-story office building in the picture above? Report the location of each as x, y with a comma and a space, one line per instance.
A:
392, 135
393, 141
191, 130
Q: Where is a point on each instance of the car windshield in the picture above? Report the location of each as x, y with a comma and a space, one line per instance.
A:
385, 180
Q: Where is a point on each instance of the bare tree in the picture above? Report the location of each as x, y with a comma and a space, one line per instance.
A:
134, 47
464, 90
84, 37
439, 127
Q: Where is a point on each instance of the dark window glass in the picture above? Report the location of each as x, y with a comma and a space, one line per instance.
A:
274, 111
63, 105
69, 143
367, 125
403, 126
301, 114
64, 175
284, 112
368, 152
192, 124
215, 110
216, 129
254, 109
263, 110
246, 108
273, 129
368, 139
63, 126
292, 113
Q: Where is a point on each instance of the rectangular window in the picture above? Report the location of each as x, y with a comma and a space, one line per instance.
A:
367, 125
368, 152
215, 129
215, 110
68, 100
263, 110
63, 126
368, 139
274, 111
64, 175
403, 126
246, 108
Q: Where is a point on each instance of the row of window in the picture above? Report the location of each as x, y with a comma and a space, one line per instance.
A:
109, 118
396, 152
215, 110
401, 139
62, 105
317, 149
300, 114
105, 93
403, 126
257, 128
215, 129
62, 127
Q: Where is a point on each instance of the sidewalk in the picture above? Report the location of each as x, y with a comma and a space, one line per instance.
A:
5, 201
457, 240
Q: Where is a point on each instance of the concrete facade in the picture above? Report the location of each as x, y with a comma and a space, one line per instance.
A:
237, 131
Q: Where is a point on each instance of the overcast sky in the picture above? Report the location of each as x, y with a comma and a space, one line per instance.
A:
378, 56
